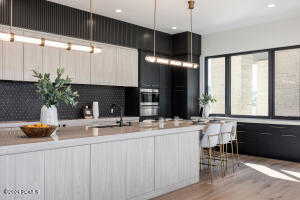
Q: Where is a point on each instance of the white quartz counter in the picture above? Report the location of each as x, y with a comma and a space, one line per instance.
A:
14, 142
257, 120
72, 122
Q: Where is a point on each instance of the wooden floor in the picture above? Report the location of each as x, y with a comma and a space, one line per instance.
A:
256, 179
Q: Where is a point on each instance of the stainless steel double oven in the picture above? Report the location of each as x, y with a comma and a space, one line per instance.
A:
149, 102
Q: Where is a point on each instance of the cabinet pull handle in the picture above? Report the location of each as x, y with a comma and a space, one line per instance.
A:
241, 131
277, 127
265, 133
289, 136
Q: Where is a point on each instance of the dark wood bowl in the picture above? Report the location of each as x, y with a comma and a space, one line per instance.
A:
36, 132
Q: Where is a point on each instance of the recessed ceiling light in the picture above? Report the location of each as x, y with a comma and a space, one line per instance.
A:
271, 5
118, 10
174, 27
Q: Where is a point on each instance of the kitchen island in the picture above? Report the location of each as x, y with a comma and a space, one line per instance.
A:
130, 162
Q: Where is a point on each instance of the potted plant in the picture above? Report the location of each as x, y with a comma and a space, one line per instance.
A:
52, 93
205, 101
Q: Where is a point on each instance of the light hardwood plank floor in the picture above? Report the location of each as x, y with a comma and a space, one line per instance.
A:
256, 179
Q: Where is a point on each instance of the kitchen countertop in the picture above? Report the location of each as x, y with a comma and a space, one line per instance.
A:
15, 141
71, 122
257, 120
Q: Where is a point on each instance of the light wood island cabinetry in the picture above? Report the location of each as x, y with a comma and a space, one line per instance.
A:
122, 163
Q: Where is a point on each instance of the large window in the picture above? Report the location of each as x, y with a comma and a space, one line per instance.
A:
260, 84
287, 83
216, 83
249, 84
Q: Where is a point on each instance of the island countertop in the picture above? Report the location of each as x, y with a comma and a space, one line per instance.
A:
15, 141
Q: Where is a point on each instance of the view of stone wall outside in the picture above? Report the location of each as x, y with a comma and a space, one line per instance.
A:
216, 83
287, 83
249, 84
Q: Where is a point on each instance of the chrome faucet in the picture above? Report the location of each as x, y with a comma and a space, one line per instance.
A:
112, 111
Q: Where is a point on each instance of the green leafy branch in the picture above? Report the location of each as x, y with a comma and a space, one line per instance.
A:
53, 93
206, 99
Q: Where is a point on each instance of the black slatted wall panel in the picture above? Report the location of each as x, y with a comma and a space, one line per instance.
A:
45, 16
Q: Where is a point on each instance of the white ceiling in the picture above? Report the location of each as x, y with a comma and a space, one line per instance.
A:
209, 15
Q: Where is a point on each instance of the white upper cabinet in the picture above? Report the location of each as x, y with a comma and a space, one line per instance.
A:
22, 171
127, 70
77, 64
115, 66
33, 57
13, 59
51, 57
104, 65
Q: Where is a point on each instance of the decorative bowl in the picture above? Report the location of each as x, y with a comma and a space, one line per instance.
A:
35, 131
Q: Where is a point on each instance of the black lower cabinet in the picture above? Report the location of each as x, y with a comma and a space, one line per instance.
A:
267, 139
247, 139
271, 141
290, 143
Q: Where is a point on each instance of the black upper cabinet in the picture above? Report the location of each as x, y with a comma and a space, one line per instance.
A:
181, 44
145, 41
149, 72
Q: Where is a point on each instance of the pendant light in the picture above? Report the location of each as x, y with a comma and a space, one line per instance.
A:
166, 61
191, 6
11, 37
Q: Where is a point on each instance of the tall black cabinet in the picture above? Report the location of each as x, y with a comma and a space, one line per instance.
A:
165, 87
186, 81
157, 76
179, 87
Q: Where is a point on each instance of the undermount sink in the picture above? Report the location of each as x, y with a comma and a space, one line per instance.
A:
111, 125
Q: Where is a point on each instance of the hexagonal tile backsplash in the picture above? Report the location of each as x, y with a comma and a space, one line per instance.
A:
20, 101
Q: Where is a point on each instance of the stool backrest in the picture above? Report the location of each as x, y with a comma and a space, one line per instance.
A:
234, 130
211, 135
226, 132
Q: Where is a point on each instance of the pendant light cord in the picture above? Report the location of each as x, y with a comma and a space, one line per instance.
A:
191, 35
11, 14
154, 28
91, 23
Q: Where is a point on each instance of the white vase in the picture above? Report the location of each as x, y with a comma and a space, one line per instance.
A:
206, 111
96, 109
49, 115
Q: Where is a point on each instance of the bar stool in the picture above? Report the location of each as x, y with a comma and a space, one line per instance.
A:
234, 141
225, 139
208, 141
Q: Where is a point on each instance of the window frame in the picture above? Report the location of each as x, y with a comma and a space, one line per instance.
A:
271, 81
274, 80
206, 82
